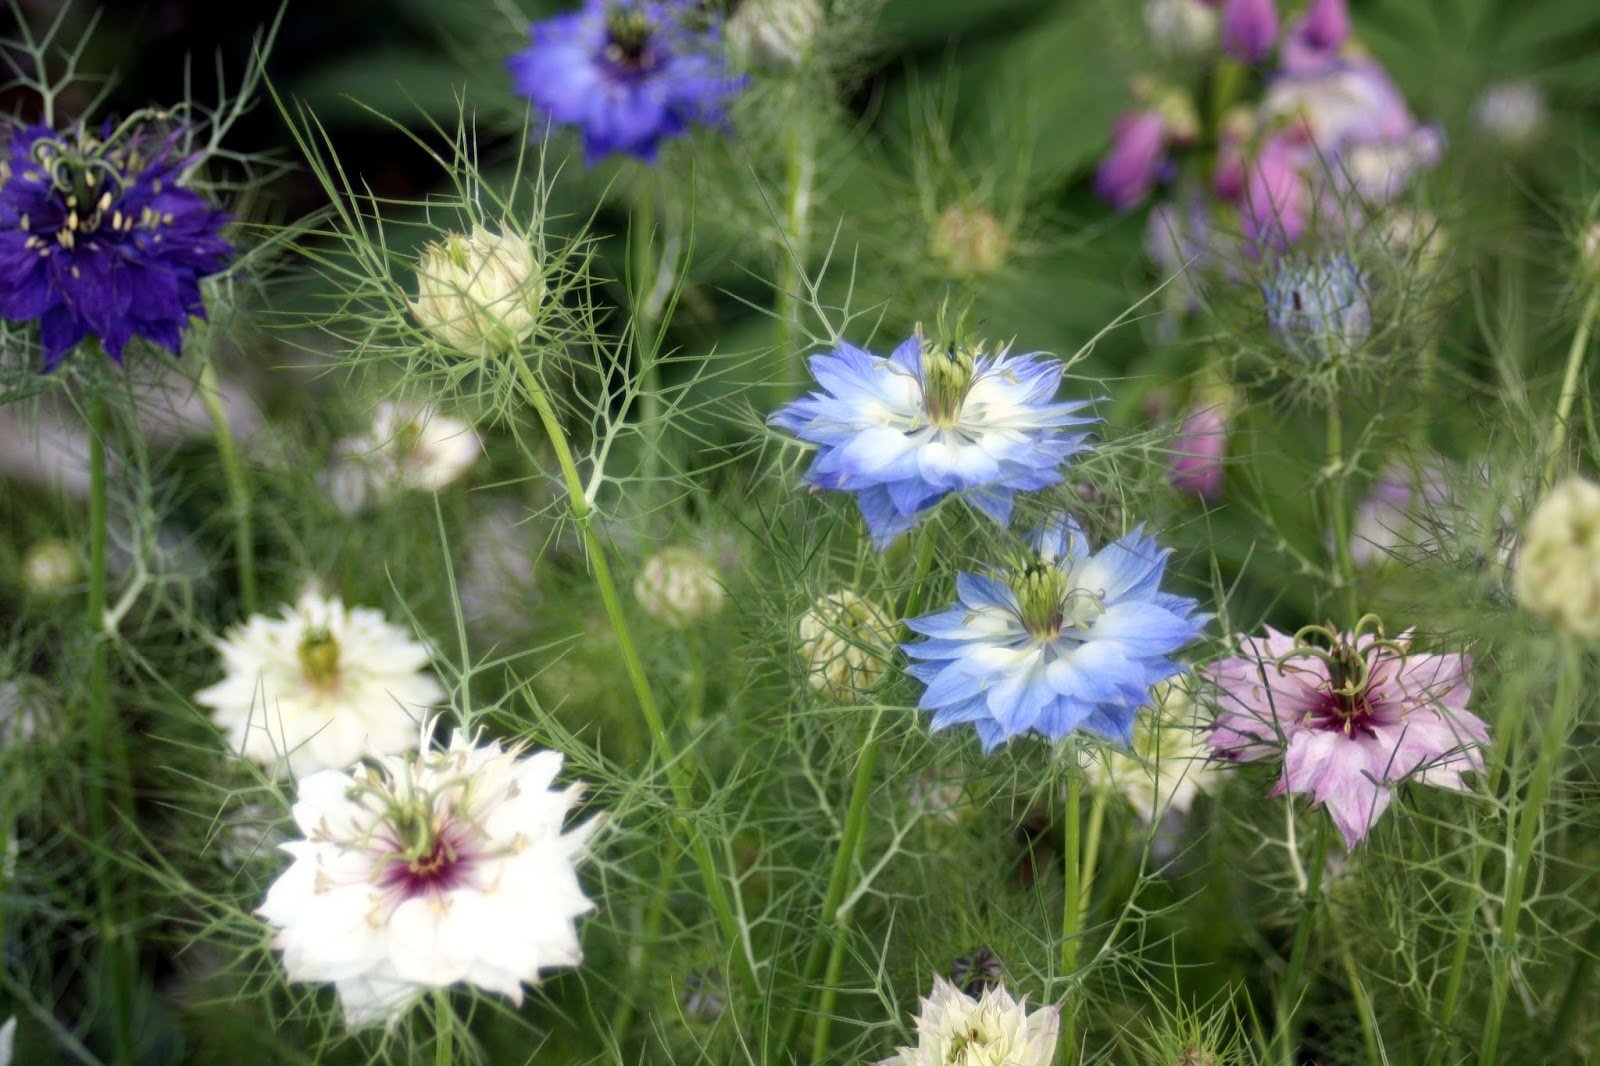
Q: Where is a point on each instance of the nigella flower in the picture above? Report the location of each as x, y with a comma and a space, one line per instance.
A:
1319, 308
1350, 721
904, 433
954, 1029
628, 74
98, 237
426, 871
1138, 152
320, 686
1071, 639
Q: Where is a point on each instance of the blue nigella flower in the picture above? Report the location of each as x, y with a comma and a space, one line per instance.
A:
628, 74
905, 432
99, 238
1070, 639
1319, 307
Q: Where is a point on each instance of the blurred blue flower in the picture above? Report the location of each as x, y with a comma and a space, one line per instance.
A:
1068, 640
1319, 307
905, 432
628, 74
99, 238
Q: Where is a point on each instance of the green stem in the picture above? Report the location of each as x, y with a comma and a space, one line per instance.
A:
645, 270
443, 1029
238, 487
1569, 385
855, 830
797, 226
106, 764
1343, 561
1577, 991
1551, 749
1363, 1002
674, 768
1289, 992
1072, 858
850, 841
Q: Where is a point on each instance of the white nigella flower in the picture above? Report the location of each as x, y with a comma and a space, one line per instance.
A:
1168, 764
1558, 565
409, 447
954, 1029
417, 872
320, 686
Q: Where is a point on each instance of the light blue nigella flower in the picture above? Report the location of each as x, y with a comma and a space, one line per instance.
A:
1070, 639
1319, 307
905, 432
628, 74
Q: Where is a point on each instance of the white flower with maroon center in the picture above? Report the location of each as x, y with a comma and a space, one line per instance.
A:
448, 867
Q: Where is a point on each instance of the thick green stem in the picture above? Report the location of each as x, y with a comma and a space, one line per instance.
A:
106, 776
238, 487
678, 778
1551, 748
1289, 991
1343, 560
1569, 385
443, 1029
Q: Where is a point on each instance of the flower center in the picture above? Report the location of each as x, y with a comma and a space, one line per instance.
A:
319, 658
428, 856
946, 380
628, 39
1051, 604
967, 1043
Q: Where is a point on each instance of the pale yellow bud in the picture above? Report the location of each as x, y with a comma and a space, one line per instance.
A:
846, 642
1558, 565
774, 33
678, 587
970, 240
50, 566
479, 293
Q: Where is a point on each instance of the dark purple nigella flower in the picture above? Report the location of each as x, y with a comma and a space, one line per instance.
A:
98, 237
628, 74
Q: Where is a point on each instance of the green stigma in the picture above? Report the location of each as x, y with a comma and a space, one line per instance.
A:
319, 657
946, 379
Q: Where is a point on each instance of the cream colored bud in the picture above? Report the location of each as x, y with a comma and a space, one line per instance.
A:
50, 566
970, 240
774, 33
478, 293
1168, 764
1181, 27
1558, 565
678, 587
846, 643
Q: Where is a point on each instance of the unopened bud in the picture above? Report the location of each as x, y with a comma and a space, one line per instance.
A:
678, 587
478, 293
774, 33
970, 240
51, 566
846, 642
1558, 566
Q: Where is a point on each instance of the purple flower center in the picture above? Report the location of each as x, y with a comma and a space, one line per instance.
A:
629, 46
1350, 713
437, 860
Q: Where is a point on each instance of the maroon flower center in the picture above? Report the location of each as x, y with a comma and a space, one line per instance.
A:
436, 865
1342, 711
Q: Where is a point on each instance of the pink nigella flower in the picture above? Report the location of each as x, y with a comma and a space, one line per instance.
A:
1277, 197
1350, 720
1317, 36
1138, 150
1197, 454
1249, 28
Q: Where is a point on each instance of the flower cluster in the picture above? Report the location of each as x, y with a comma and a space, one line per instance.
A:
1069, 639
628, 74
99, 237
930, 422
1329, 139
430, 870
320, 687
1350, 720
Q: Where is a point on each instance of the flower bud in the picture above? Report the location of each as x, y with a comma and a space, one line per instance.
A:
970, 240
1180, 27
774, 33
1511, 114
1130, 169
1558, 566
846, 642
478, 293
51, 566
1319, 308
678, 587
1249, 28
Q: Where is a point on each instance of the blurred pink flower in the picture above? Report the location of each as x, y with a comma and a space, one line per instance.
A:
1249, 28
1277, 196
1138, 149
1350, 721
1196, 462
